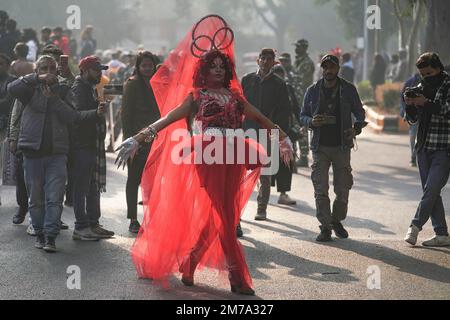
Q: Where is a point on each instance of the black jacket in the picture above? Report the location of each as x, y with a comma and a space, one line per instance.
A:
139, 107
84, 98
270, 96
6, 101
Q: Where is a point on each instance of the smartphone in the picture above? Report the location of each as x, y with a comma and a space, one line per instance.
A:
64, 61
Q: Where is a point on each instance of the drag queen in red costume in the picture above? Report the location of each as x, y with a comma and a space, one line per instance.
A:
192, 208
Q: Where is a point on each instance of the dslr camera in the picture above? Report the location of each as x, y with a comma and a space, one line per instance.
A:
413, 92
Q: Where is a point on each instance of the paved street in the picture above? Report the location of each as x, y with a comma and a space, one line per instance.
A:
284, 259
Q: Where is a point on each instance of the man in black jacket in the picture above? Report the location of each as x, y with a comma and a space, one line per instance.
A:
44, 141
89, 170
269, 93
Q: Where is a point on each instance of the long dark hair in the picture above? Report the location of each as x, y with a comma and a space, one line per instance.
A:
140, 58
204, 65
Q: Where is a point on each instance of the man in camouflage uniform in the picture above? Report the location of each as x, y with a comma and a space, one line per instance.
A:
303, 78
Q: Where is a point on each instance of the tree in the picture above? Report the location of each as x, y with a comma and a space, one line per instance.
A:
437, 30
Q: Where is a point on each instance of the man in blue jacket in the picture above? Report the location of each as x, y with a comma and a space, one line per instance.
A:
332, 109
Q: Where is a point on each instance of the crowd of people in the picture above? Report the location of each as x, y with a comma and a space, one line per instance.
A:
53, 120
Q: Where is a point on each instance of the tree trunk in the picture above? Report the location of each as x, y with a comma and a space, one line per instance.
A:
437, 31
413, 40
401, 25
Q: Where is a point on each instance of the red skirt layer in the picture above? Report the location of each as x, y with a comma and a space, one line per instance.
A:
189, 205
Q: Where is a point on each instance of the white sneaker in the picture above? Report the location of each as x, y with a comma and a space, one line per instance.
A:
438, 241
31, 231
412, 235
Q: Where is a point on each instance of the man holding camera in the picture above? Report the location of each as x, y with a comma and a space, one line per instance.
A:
429, 105
89, 178
44, 141
328, 109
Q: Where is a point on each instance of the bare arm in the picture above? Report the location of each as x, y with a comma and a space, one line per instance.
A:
181, 112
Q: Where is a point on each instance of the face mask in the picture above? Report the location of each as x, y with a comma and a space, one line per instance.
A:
434, 81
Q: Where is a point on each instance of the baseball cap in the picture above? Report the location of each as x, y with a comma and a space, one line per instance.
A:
302, 43
331, 58
284, 56
92, 62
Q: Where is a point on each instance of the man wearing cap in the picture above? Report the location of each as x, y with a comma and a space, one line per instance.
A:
89, 178
329, 108
44, 142
304, 77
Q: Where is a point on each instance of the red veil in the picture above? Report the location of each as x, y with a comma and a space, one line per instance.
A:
176, 205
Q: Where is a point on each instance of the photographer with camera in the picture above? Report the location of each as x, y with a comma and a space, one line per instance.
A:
329, 107
89, 170
44, 141
428, 104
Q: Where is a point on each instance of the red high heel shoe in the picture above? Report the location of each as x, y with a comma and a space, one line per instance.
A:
187, 270
243, 290
238, 287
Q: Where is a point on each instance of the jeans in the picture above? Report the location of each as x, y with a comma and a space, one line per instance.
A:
45, 179
339, 159
434, 169
86, 195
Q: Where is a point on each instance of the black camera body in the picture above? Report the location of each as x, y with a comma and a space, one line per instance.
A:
413, 92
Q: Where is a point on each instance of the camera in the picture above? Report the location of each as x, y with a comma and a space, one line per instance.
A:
413, 92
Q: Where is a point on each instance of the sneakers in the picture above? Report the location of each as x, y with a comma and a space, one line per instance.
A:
412, 235
239, 232
286, 200
50, 245
85, 234
40, 242
325, 235
261, 215
102, 233
438, 241
339, 230
19, 217
134, 227
30, 231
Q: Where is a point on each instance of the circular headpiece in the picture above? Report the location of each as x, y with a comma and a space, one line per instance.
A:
221, 40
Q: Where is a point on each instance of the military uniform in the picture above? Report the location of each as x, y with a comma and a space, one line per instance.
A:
303, 78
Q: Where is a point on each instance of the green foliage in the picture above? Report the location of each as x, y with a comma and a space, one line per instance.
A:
391, 99
365, 91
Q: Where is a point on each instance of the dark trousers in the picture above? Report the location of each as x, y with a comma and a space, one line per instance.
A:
434, 169
135, 170
86, 194
21, 188
283, 179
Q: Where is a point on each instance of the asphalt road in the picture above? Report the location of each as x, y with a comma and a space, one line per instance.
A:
285, 261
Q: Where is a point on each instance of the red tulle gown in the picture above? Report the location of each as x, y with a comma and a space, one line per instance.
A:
191, 211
